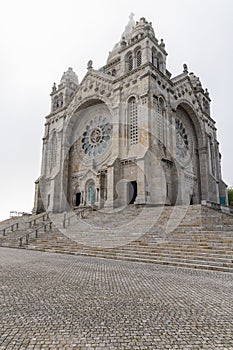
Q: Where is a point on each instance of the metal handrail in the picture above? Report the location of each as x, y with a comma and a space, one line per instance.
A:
44, 217
67, 219
36, 229
10, 226
30, 223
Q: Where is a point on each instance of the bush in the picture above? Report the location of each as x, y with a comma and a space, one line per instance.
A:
230, 196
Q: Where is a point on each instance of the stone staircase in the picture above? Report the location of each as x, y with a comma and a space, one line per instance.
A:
193, 236
14, 231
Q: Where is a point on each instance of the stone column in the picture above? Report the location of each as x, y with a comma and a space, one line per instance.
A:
38, 202
204, 166
110, 187
62, 180
45, 156
141, 182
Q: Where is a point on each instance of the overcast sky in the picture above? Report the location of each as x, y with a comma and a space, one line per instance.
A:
39, 40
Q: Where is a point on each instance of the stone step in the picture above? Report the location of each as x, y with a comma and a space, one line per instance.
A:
182, 257
185, 264
196, 237
196, 253
192, 236
214, 265
54, 243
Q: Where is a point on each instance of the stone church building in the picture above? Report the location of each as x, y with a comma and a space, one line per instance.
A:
129, 133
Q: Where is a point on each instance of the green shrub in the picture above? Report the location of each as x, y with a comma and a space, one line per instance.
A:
230, 196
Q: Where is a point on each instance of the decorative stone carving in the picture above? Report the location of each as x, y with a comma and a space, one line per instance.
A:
182, 144
96, 137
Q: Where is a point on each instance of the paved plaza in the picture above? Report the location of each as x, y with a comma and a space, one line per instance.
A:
55, 301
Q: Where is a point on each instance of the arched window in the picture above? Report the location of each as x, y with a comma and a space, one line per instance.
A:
138, 58
53, 159
60, 101
160, 62
206, 106
129, 62
55, 103
133, 120
161, 122
154, 57
114, 72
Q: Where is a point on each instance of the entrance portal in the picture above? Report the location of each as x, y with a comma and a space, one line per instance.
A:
132, 192
78, 199
91, 193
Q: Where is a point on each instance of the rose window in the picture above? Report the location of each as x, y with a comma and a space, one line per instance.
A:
96, 137
182, 144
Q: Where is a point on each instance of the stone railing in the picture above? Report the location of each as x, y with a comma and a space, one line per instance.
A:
217, 206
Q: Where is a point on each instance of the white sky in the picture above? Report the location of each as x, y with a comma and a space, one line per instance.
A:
40, 39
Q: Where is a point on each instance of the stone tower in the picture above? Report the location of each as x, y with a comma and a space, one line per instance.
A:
129, 133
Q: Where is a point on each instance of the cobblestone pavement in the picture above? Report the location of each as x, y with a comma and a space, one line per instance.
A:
55, 301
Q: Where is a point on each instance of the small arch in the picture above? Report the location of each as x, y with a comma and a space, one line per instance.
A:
131, 96
114, 72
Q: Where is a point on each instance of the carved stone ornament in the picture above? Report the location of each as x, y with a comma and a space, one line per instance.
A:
96, 137
182, 145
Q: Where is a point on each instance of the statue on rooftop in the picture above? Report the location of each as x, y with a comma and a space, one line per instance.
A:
89, 64
129, 27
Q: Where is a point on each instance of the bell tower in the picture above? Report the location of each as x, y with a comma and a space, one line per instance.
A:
62, 95
138, 46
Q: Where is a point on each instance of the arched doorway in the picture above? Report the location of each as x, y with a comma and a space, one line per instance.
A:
91, 192
77, 199
132, 191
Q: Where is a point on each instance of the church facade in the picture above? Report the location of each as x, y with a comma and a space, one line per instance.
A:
129, 133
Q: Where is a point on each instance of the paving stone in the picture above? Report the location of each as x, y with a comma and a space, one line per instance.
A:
57, 301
